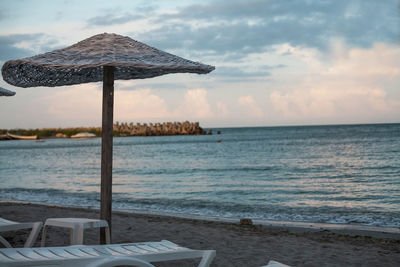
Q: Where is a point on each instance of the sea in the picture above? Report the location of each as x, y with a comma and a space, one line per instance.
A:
341, 174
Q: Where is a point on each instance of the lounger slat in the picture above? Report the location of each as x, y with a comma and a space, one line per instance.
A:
91, 251
15, 255
110, 252
4, 258
161, 247
170, 245
62, 253
45, 252
78, 252
29, 253
135, 249
121, 249
148, 248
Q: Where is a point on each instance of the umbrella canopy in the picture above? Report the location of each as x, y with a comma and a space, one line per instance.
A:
103, 57
5, 92
83, 62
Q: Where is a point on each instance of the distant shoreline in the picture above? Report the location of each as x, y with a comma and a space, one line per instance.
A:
308, 125
44, 132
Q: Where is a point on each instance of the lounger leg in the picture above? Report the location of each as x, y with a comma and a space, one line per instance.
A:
43, 243
5, 242
207, 258
77, 235
33, 235
107, 229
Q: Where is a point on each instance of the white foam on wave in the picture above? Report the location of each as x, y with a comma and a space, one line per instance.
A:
176, 208
378, 232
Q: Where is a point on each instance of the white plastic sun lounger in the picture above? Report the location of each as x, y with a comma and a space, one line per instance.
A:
141, 254
6, 225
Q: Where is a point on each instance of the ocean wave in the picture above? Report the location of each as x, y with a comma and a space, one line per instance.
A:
190, 171
200, 207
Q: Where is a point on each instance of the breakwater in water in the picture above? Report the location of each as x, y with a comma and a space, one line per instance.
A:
120, 129
166, 128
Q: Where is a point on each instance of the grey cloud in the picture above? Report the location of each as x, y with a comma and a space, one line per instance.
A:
155, 85
226, 39
146, 9
7, 46
242, 27
111, 19
120, 15
236, 72
255, 9
234, 29
3, 15
286, 53
278, 66
41, 43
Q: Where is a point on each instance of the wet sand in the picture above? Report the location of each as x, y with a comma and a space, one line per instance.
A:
236, 245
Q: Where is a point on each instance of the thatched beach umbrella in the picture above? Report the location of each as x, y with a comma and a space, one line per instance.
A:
104, 57
5, 92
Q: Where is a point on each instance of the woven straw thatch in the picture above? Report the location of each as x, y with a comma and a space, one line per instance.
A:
83, 62
5, 92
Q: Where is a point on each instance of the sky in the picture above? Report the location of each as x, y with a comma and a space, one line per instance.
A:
294, 62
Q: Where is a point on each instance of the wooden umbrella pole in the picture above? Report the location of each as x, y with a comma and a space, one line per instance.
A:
107, 149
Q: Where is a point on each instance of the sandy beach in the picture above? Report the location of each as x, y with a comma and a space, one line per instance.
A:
236, 245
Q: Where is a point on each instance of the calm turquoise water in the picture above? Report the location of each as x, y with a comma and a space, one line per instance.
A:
334, 174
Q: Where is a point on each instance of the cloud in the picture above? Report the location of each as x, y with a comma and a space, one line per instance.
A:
81, 105
16, 46
250, 106
249, 27
68, 106
119, 15
195, 105
112, 19
356, 86
239, 72
139, 105
9, 48
3, 15
382, 60
144, 105
75, 105
332, 104
140, 84
222, 110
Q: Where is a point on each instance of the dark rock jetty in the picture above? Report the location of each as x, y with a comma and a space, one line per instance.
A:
154, 129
